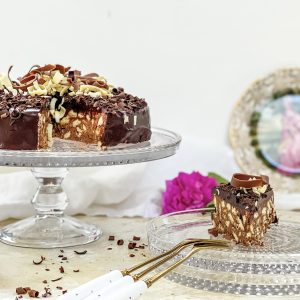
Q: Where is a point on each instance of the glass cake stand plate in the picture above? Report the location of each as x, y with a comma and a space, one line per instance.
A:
50, 228
271, 269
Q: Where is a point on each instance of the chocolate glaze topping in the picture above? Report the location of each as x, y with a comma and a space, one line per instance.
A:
10, 102
243, 198
121, 102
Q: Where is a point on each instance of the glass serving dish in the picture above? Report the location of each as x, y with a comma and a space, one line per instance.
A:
50, 228
271, 269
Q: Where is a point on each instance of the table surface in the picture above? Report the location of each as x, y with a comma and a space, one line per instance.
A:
17, 268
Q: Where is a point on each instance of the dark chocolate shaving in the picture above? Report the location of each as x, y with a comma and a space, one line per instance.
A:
81, 252
39, 262
57, 279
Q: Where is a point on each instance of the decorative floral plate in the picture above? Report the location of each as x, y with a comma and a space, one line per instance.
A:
265, 129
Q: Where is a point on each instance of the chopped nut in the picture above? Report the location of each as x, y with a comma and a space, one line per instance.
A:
100, 121
67, 135
72, 114
76, 123
64, 121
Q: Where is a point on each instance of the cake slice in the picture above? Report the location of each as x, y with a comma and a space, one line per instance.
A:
244, 209
25, 122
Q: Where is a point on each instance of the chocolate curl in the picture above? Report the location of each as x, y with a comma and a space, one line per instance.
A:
93, 81
91, 75
25, 82
240, 180
63, 70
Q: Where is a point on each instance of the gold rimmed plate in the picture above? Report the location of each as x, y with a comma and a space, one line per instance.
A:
264, 129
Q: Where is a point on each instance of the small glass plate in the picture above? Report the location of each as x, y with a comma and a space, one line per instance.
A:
272, 269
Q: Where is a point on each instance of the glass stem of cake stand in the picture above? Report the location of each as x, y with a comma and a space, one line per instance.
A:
50, 198
50, 227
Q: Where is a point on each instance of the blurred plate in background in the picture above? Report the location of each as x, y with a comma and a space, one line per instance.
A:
265, 129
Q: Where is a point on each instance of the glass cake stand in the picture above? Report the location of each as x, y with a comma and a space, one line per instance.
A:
50, 228
272, 269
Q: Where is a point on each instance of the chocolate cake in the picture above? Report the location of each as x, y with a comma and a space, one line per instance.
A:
56, 102
244, 209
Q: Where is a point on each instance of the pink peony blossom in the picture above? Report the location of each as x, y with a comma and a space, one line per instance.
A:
187, 191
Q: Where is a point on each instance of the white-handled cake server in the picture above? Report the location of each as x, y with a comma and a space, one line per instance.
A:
126, 288
136, 289
103, 281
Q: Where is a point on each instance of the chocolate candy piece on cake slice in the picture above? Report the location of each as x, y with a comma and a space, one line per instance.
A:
244, 209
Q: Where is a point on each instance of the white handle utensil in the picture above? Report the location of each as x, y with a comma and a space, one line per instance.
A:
92, 286
111, 288
129, 292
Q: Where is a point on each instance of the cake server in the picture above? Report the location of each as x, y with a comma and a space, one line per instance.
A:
103, 282
136, 289
130, 287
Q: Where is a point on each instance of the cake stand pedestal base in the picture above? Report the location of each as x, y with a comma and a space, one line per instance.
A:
49, 228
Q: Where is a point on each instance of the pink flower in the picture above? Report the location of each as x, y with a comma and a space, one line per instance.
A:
187, 191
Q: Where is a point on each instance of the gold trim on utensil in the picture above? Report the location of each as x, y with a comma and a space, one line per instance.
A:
197, 244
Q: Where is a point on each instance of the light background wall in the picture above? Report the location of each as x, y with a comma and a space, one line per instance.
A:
191, 59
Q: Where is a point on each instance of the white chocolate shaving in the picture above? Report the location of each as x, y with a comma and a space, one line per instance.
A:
5, 82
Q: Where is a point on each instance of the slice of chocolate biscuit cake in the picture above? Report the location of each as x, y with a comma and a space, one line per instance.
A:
244, 209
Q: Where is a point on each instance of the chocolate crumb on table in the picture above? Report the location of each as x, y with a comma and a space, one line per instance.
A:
47, 292
131, 245
61, 269
20, 291
120, 242
111, 238
33, 293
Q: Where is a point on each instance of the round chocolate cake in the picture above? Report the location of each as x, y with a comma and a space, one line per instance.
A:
56, 102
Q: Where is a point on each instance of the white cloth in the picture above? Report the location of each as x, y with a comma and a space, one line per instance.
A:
132, 190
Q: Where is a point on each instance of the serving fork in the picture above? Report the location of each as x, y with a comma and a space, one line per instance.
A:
122, 285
